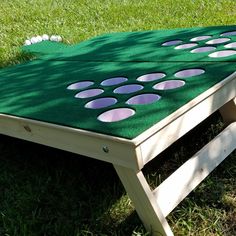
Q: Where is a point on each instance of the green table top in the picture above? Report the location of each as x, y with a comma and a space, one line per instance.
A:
49, 88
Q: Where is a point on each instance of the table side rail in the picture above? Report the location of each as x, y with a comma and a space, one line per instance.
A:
166, 136
106, 148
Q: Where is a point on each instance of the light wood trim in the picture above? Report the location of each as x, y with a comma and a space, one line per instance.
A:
176, 187
229, 81
144, 201
183, 123
120, 151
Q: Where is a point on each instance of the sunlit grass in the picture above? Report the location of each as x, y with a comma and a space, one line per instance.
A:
80, 20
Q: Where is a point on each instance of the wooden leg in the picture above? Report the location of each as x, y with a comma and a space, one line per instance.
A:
228, 111
144, 201
153, 206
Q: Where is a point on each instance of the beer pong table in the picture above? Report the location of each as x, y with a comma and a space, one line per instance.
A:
125, 97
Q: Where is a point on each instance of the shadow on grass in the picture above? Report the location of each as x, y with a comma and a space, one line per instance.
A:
44, 191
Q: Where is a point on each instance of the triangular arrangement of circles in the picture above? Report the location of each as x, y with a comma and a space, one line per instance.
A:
118, 84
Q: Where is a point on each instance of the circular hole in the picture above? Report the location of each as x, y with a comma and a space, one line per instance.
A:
80, 85
143, 99
101, 103
151, 77
230, 33
186, 46
130, 88
113, 81
218, 41
230, 45
200, 38
89, 93
224, 53
115, 115
172, 43
169, 84
189, 73
203, 49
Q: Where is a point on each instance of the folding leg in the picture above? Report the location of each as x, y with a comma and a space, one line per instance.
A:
144, 201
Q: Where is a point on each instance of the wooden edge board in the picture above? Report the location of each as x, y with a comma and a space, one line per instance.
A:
177, 186
183, 121
103, 147
169, 119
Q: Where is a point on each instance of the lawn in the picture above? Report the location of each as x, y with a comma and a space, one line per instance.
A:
47, 192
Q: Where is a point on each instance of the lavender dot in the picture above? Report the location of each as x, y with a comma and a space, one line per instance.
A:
80, 85
115, 115
143, 99
172, 43
200, 38
89, 93
186, 46
230, 33
151, 77
189, 73
217, 41
130, 88
113, 81
169, 84
224, 53
101, 103
203, 49
230, 45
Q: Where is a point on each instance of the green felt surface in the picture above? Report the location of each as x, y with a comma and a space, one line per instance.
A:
38, 89
144, 46
46, 48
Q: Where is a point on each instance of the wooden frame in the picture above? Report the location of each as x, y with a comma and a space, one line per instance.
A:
130, 156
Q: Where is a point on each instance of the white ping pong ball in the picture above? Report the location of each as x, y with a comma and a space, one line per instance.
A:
27, 42
59, 38
39, 39
33, 40
45, 37
53, 38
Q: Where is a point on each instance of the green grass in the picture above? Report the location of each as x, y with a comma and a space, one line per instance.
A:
47, 192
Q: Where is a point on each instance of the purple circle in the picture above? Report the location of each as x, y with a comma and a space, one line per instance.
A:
189, 73
230, 45
203, 49
169, 84
230, 33
186, 46
224, 53
101, 103
151, 77
80, 85
218, 41
143, 99
113, 81
172, 43
115, 115
89, 93
200, 38
130, 88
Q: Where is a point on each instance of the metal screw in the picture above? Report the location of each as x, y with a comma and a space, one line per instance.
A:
27, 128
105, 149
